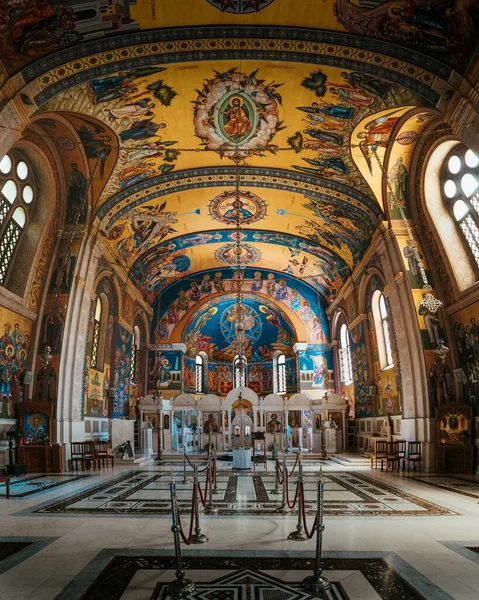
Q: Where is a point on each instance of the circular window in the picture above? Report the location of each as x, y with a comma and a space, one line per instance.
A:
454, 164
450, 188
22, 170
471, 159
27, 194
6, 164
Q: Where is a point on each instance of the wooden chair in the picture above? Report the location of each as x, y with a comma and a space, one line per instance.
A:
413, 455
392, 457
101, 453
260, 459
380, 453
401, 450
6, 480
82, 452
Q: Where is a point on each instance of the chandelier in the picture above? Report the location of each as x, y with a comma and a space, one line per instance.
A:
429, 300
240, 309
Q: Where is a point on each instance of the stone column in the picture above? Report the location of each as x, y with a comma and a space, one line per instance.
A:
69, 425
417, 424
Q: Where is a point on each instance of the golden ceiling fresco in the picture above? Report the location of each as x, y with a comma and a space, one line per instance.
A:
32, 29
188, 119
151, 102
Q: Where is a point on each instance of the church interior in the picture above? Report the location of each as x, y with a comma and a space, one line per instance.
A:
239, 299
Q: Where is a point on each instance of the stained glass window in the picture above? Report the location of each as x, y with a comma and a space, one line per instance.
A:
16, 195
461, 191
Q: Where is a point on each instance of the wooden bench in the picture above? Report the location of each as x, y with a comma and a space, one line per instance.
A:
6, 480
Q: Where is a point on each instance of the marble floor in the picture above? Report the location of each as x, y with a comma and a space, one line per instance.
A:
89, 554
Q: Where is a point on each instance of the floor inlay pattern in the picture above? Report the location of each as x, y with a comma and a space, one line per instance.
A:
146, 493
16, 549
21, 487
134, 574
465, 487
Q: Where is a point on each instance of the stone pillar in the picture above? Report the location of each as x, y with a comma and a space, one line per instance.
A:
69, 425
417, 424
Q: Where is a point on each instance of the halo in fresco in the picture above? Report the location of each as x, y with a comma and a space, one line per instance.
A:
236, 109
226, 254
241, 7
222, 208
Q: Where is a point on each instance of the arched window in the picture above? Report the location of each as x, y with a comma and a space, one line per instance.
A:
95, 340
383, 336
16, 198
239, 371
135, 356
345, 362
281, 374
200, 374
99, 333
460, 188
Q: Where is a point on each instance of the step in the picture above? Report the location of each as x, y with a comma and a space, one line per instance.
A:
350, 460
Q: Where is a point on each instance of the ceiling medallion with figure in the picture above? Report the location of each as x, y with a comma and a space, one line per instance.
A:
252, 209
226, 254
235, 110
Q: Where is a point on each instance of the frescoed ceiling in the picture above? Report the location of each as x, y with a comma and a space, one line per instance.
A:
157, 107
32, 29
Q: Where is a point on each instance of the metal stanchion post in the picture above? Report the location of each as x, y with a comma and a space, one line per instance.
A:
185, 478
198, 537
282, 509
299, 534
181, 587
215, 487
316, 583
210, 509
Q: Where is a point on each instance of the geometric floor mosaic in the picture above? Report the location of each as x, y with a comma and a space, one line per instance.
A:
19, 488
147, 493
465, 487
141, 575
16, 549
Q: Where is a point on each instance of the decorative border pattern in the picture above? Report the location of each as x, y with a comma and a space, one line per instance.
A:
193, 179
245, 38
54, 83
110, 572
115, 499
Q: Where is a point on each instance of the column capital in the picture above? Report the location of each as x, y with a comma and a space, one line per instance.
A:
300, 346
175, 346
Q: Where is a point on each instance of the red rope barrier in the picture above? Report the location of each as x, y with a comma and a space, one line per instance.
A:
308, 533
204, 497
295, 464
287, 492
187, 540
